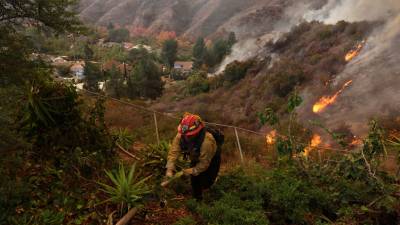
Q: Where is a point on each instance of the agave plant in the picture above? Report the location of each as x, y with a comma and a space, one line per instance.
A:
123, 137
127, 188
154, 158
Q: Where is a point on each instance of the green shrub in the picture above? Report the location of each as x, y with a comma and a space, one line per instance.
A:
188, 220
197, 83
236, 71
231, 210
286, 75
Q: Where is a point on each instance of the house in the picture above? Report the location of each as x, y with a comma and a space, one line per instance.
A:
128, 46
123, 68
183, 66
78, 69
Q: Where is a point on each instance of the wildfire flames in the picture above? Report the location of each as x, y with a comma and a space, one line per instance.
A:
329, 100
315, 142
353, 53
271, 137
356, 142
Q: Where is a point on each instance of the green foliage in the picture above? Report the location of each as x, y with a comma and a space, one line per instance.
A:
127, 187
123, 137
231, 210
136, 54
298, 192
178, 75
92, 75
154, 159
187, 220
294, 101
145, 81
220, 49
197, 83
268, 116
374, 144
52, 120
118, 35
232, 39
55, 14
236, 71
115, 86
199, 52
214, 55
169, 52
88, 52
64, 70
286, 76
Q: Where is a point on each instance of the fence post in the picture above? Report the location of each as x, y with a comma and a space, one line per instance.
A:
239, 146
156, 125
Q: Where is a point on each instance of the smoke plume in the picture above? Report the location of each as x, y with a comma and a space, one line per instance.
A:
375, 91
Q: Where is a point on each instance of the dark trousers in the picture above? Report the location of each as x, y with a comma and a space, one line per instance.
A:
207, 178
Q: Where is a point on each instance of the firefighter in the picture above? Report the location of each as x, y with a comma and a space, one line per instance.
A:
200, 144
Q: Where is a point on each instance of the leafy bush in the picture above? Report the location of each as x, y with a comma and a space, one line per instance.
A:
235, 71
231, 210
349, 189
197, 83
118, 35
188, 220
286, 75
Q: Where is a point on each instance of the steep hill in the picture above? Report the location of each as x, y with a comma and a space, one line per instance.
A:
192, 18
346, 73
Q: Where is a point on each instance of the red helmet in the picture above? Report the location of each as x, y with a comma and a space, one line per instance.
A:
190, 125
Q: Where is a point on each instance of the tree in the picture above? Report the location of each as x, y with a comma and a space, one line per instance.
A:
138, 53
145, 80
115, 85
118, 35
169, 52
55, 14
88, 52
92, 76
110, 26
199, 53
231, 39
220, 49
236, 70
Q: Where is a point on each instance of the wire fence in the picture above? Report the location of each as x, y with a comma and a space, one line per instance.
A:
245, 141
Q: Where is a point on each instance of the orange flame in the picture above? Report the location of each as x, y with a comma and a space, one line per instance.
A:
328, 100
353, 53
356, 142
315, 142
271, 137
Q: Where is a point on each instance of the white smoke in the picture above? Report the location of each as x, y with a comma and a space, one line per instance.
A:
354, 10
375, 91
247, 49
251, 47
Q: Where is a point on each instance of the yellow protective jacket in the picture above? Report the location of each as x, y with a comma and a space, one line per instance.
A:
207, 152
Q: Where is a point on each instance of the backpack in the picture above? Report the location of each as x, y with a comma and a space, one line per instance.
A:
216, 133
218, 136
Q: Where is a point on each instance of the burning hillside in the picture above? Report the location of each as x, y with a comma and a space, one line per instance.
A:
325, 101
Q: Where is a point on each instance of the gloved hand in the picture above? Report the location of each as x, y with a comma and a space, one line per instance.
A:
188, 171
169, 173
